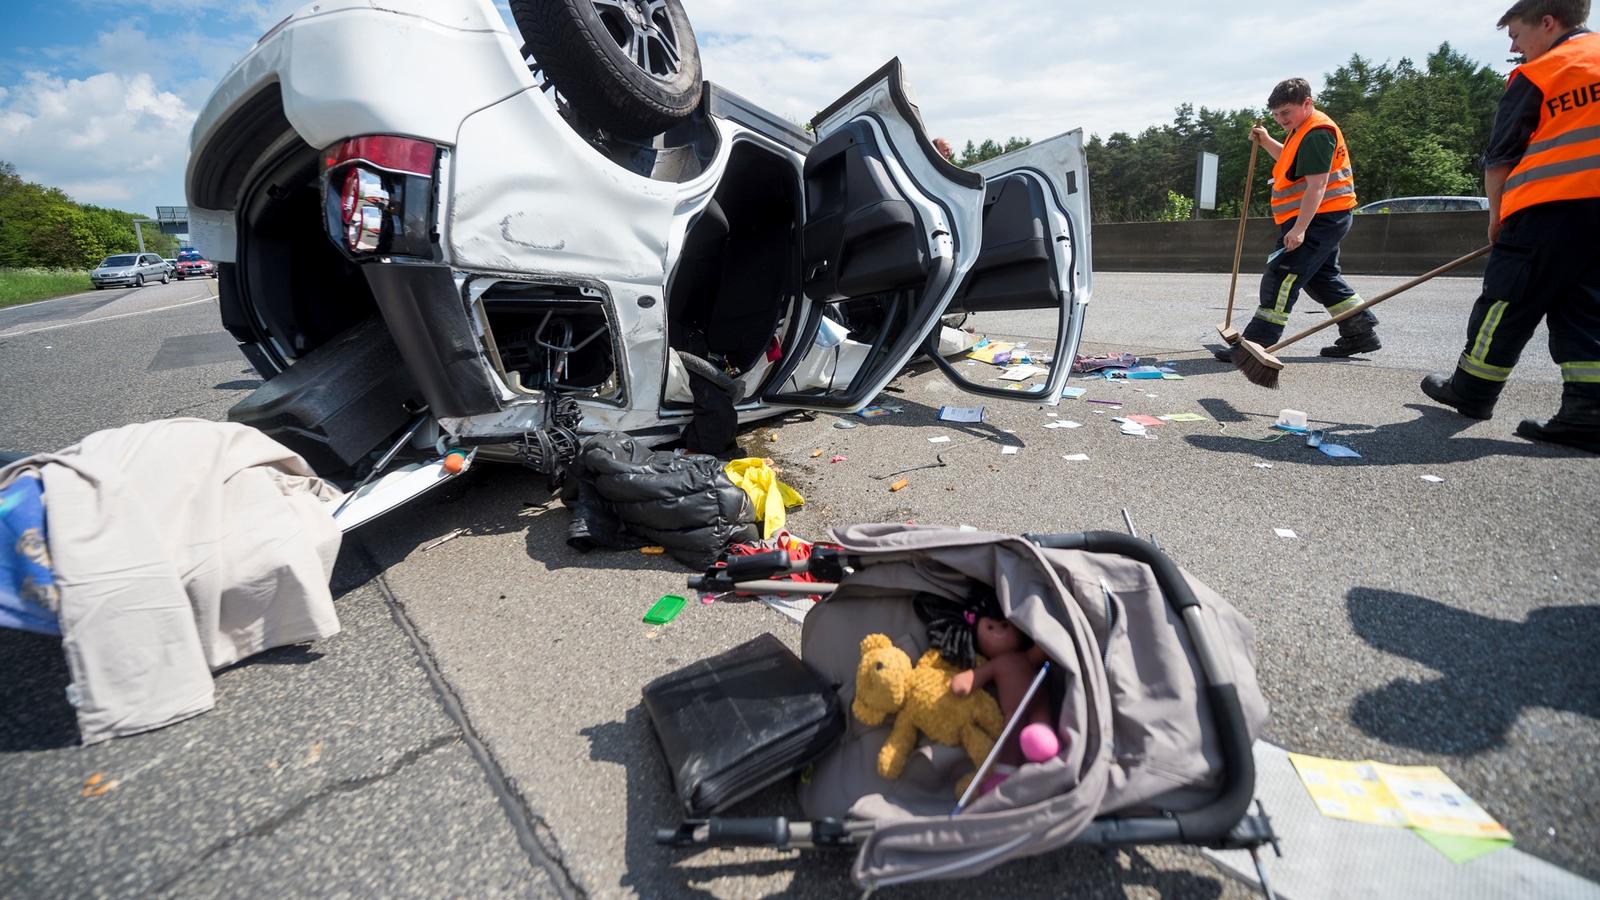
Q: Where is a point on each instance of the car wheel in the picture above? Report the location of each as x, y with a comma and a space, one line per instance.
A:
138, 280
165, 278
631, 67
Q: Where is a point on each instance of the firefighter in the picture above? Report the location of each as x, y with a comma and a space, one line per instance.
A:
1313, 192
1542, 175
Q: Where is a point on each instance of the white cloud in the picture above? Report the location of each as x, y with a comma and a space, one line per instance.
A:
109, 139
1034, 69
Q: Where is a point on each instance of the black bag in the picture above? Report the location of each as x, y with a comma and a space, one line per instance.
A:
736, 723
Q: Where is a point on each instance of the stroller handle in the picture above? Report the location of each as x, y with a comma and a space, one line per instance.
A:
1212, 824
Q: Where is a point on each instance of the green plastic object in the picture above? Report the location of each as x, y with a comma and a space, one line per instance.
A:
665, 610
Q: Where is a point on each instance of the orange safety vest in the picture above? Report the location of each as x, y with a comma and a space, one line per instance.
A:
1288, 192
1562, 161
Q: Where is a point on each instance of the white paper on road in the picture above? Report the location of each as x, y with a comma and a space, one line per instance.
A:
1076, 457
1433, 479
961, 414
941, 439
793, 607
1009, 451
1022, 373
1286, 533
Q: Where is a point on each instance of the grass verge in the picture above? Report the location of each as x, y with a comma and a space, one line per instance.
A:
27, 285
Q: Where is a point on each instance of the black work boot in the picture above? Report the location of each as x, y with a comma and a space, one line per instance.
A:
1576, 425
1443, 389
1356, 335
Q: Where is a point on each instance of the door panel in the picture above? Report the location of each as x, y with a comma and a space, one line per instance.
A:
1032, 280
890, 230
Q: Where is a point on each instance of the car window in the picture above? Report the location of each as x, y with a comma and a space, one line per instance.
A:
118, 261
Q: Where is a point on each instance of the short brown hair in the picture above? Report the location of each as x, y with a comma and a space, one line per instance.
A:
1295, 91
1571, 13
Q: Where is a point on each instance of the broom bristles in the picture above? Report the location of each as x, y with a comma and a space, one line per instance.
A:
1259, 366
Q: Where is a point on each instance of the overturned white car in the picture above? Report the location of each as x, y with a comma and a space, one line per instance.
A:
432, 232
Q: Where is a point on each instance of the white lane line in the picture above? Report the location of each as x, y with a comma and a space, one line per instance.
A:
128, 315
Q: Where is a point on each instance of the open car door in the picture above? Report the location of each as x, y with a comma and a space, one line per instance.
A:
1030, 285
890, 231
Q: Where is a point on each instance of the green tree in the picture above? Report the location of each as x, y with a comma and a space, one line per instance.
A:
989, 149
42, 226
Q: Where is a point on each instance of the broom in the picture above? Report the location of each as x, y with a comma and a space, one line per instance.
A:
1229, 333
1262, 367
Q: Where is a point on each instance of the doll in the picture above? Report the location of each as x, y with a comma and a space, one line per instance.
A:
1013, 663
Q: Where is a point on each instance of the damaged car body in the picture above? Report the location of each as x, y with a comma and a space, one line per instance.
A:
423, 245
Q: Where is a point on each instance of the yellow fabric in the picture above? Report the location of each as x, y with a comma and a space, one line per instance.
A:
767, 494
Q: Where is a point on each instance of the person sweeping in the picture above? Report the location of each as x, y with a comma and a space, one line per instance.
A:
1313, 192
1542, 175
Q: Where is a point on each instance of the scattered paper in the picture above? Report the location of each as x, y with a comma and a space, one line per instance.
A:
1459, 849
1142, 372
961, 414
1338, 451
792, 607
1064, 423
1070, 393
941, 439
839, 459
1076, 457
1286, 533
1263, 465
1022, 373
985, 352
1133, 428
1433, 479
1145, 420
1184, 417
1116, 403
1171, 376
1009, 451
1421, 797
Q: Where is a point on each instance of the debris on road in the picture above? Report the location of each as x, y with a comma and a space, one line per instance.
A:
652, 551
1085, 364
844, 424
838, 458
1009, 450
941, 439
1071, 393
817, 453
899, 485
1076, 457
1286, 533
1420, 798
1263, 465
664, 610
1338, 451
97, 785
961, 414
445, 539
1183, 417
1433, 479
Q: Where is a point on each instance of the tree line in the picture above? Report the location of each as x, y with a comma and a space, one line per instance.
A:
41, 227
1411, 130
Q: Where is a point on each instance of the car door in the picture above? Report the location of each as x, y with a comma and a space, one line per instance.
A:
1031, 283
889, 231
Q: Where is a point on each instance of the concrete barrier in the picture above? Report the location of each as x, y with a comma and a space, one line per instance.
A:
1402, 244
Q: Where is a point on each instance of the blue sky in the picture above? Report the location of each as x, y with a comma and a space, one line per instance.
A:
97, 96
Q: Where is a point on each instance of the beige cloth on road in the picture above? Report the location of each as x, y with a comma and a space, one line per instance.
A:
180, 546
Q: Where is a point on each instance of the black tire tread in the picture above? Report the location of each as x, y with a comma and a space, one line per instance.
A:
591, 80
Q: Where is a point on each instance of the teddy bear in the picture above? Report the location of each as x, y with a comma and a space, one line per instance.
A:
921, 701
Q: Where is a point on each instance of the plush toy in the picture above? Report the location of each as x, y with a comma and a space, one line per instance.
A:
1012, 663
921, 701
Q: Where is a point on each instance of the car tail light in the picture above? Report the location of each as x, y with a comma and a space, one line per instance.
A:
379, 191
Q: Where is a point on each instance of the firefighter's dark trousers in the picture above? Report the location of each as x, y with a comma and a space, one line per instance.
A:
1314, 268
1546, 262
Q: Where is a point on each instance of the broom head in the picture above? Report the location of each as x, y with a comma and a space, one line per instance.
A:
1257, 364
1229, 334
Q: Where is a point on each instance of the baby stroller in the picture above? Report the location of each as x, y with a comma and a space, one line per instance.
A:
1153, 673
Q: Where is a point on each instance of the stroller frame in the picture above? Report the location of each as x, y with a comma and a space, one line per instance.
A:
1225, 823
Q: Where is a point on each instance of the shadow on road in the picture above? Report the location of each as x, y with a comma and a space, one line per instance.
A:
1432, 438
1490, 670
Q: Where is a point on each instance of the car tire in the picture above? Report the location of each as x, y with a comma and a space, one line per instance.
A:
138, 280
165, 278
578, 44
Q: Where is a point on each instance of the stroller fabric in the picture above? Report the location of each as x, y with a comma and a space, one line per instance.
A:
1132, 707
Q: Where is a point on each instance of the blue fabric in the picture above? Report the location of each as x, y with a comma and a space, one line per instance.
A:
29, 597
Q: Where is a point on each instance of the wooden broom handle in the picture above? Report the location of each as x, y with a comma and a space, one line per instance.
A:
1447, 267
1238, 243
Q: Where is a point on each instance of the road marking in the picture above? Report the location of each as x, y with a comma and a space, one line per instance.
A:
191, 301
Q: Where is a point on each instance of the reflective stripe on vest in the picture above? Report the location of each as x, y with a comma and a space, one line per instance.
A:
1562, 161
1288, 193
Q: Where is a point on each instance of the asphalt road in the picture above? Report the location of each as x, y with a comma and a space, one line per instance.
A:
1408, 621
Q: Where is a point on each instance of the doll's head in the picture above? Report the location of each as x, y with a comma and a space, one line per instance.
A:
996, 636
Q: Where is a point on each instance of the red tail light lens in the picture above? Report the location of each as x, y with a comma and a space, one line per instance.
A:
397, 154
